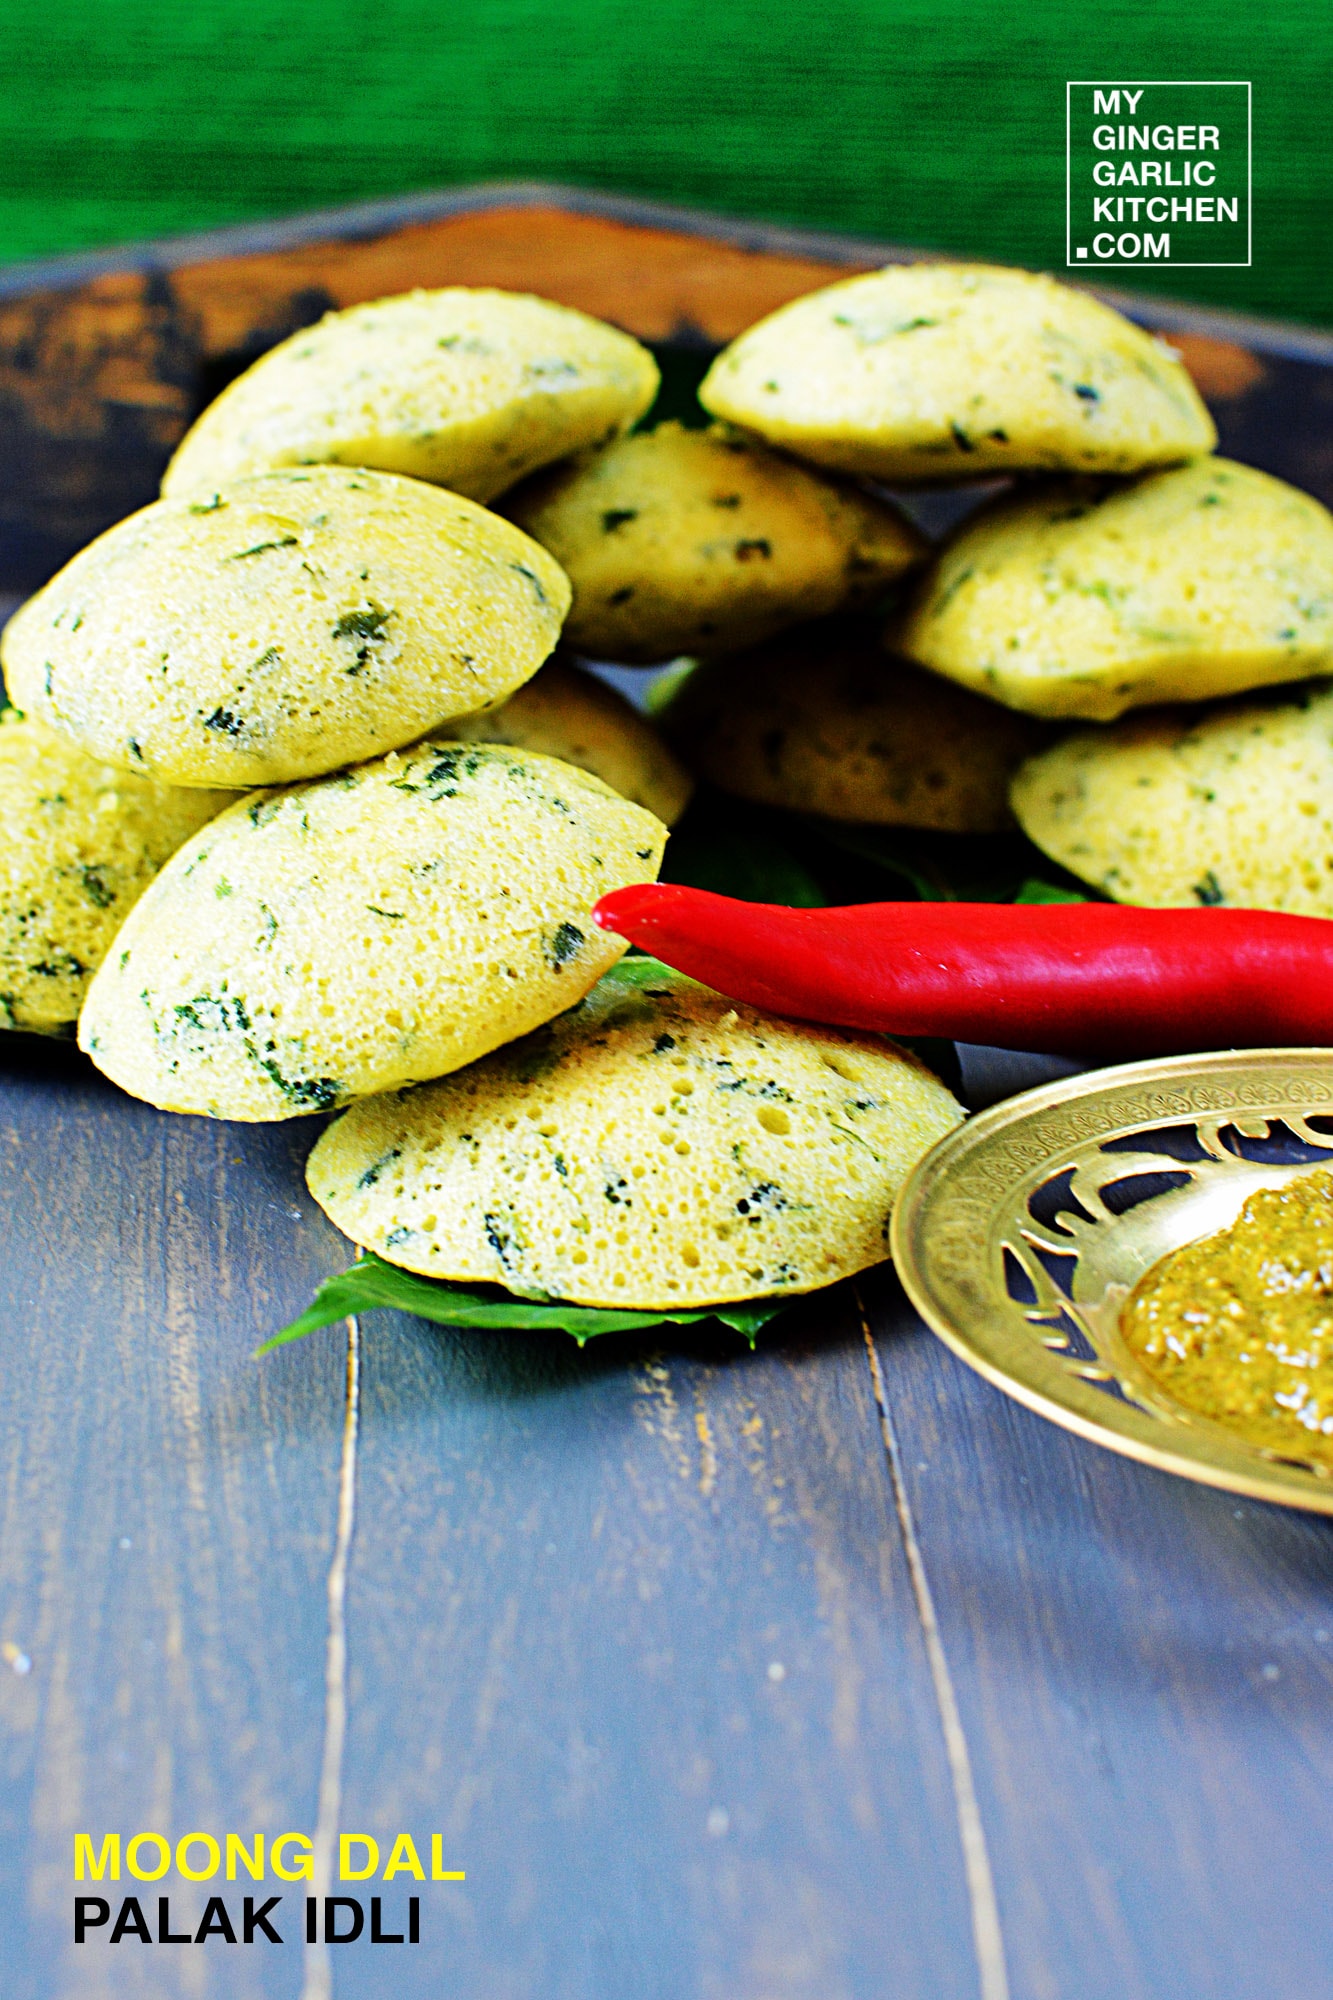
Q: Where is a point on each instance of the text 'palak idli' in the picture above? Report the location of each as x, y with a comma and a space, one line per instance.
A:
469, 389
332, 939
656, 1146
283, 627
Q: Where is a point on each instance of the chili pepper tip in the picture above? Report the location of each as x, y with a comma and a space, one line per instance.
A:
623, 910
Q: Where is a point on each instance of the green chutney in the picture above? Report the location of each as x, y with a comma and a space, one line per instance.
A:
1239, 1326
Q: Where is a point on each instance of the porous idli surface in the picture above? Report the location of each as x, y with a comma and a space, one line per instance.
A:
394, 922
946, 372
1086, 599
1227, 804
655, 1146
283, 627
822, 720
471, 389
82, 841
568, 713
699, 541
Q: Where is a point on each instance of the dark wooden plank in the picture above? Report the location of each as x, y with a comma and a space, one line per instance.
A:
1145, 1670
166, 1505
636, 1634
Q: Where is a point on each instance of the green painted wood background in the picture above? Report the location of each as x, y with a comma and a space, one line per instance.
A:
935, 122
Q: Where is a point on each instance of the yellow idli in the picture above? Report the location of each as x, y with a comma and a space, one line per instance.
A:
567, 713
1227, 804
332, 939
290, 624
822, 721
82, 842
1086, 599
656, 1146
689, 541
469, 389
931, 372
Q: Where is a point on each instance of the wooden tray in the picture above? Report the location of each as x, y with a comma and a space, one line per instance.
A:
105, 359
819, 1674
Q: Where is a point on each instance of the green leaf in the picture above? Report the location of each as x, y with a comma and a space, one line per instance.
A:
666, 682
897, 851
938, 867
370, 1283
739, 850
1047, 892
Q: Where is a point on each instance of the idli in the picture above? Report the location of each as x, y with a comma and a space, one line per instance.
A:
1227, 804
689, 541
655, 1146
364, 931
283, 627
821, 720
1086, 598
82, 842
471, 389
567, 713
946, 372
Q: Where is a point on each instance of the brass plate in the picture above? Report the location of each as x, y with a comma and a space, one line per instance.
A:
1019, 1236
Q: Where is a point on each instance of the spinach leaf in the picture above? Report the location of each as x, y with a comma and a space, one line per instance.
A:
744, 851
370, 1283
1049, 892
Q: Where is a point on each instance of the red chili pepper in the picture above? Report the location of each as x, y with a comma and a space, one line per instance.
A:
1065, 978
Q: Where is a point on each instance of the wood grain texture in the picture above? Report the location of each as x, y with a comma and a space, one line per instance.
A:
664, 1687
660, 284
572, 1579
1144, 1669
168, 1505
633, 1631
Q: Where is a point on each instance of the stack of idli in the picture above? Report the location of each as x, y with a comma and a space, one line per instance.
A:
1121, 567
307, 811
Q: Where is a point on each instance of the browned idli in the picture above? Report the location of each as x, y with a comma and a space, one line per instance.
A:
822, 720
700, 541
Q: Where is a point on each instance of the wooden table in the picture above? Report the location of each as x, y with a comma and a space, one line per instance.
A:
822, 1673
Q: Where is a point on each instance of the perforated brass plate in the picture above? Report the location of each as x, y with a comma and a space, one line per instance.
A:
1019, 1236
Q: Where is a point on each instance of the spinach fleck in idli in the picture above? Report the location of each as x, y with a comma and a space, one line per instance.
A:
655, 1146
364, 931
